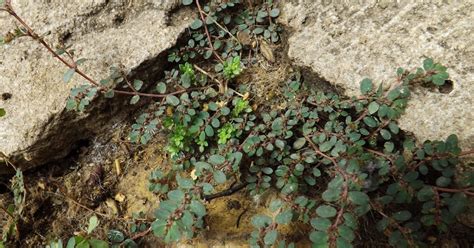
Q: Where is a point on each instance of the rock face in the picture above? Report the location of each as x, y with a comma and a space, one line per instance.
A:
37, 128
345, 42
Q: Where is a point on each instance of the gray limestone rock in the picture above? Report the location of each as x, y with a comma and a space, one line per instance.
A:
346, 41
136, 34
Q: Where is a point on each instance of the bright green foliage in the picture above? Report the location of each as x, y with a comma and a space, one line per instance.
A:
232, 67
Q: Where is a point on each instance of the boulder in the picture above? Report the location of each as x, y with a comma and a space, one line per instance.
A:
345, 42
136, 34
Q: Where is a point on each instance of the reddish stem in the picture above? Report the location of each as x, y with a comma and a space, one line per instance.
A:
72, 65
209, 39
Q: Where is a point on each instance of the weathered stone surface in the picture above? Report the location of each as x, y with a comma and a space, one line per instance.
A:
135, 34
346, 41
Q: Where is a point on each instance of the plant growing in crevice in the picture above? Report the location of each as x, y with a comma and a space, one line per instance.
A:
14, 211
333, 160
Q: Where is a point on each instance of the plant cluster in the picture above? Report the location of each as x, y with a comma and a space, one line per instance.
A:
332, 160
14, 210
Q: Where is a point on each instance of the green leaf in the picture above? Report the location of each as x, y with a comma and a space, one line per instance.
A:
326, 211
425, 194
161, 88
68, 75
219, 177
173, 100
137, 84
346, 233
258, 30
280, 144
318, 237
458, 203
209, 131
93, 223
216, 159
261, 221
196, 24
331, 195
275, 205
197, 208
440, 78
71, 243
109, 93
173, 234
369, 121
373, 107
284, 217
80, 61
321, 224
3, 112
443, 181
95, 243
326, 146
134, 99
187, 2
428, 64
299, 143
366, 86
176, 195
342, 243
389, 146
115, 236
402, 215
385, 134
275, 12
358, 197
270, 237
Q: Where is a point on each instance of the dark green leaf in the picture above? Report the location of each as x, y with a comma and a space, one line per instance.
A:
326, 211
321, 224
216, 159
176, 195
196, 24
373, 107
346, 233
320, 238
366, 86
115, 236
428, 64
402, 215
358, 197
270, 237
370, 121
95, 243
219, 176
197, 208
284, 217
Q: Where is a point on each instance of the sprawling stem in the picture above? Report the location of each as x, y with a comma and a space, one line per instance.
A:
71, 64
